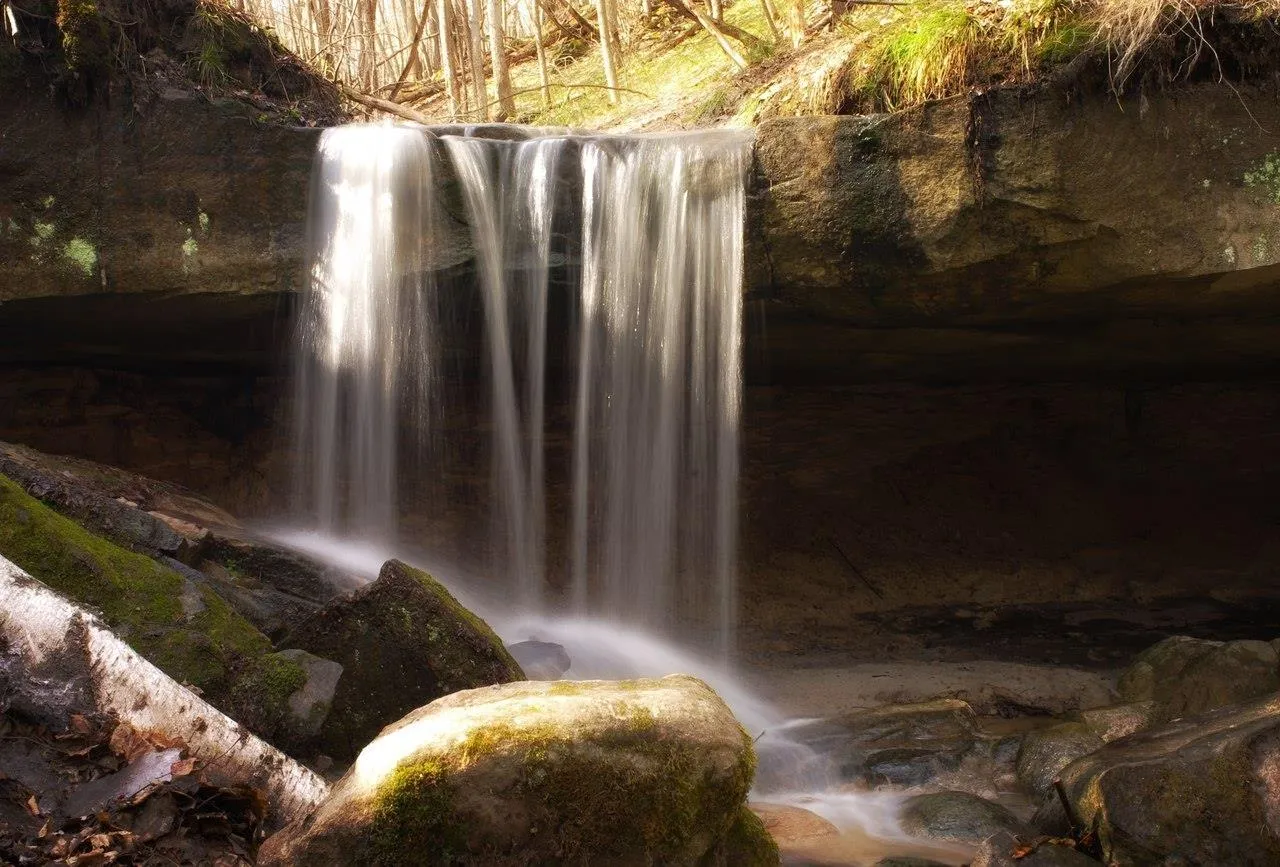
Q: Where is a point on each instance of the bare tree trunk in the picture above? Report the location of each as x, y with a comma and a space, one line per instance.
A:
476, 53
606, 50
543, 76
369, 44
796, 21
413, 51
769, 16
498, 58
717, 33
448, 66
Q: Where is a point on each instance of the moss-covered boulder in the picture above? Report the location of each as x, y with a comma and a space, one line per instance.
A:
286, 697
621, 773
182, 627
402, 641
1187, 676
1200, 790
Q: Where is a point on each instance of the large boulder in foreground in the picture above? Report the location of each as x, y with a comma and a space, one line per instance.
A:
402, 642
1202, 790
632, 772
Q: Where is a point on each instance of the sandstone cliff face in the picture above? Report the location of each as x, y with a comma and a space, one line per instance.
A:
1034, 233
188, 197
1005, 236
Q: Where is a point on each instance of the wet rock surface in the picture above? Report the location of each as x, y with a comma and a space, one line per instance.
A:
540, 660
957, 817
634, 772
1005, 850
1044, 753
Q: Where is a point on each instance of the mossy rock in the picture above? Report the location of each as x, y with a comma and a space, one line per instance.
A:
1199, 790
186, 630
634, 772
402, 641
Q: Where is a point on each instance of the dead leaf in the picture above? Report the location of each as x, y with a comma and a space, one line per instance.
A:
33, 806
80, 724
182, 767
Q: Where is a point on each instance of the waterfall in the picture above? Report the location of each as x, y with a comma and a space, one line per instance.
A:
655, 473
365, 351
654, 228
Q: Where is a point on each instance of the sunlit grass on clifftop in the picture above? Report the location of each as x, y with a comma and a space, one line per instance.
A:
891, 57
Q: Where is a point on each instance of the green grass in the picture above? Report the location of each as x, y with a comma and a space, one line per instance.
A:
938, 48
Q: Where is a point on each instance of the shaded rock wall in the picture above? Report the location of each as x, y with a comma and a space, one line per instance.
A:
1020, 348
1023, 235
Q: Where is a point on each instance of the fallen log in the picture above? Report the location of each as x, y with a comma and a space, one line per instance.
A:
64, 660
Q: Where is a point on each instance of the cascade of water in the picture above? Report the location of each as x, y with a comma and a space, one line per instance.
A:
509, 188
653, 480
365, 356
655, 469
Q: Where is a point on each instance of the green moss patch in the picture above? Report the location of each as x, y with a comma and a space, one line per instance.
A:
413, 815
139, 598
624, 792
260, 696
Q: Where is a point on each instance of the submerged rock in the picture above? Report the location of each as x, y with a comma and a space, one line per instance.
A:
402, 641
899, 744
1046, 752
957, 817
632, 772
1200, 790
789, 824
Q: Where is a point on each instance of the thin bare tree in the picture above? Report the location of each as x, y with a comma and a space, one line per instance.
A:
498, 59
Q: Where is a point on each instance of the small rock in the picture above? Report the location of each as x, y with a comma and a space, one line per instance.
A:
1118, 720
790, 825
541, 660
957, 817
309, 706
1046, 752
